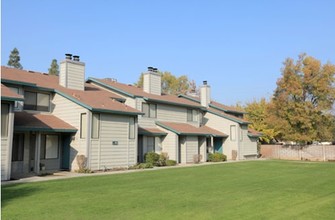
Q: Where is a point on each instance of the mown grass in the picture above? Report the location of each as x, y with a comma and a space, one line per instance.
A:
247, 190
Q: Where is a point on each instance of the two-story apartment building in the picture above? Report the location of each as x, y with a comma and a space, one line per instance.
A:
170, 124
61, 117
242, 141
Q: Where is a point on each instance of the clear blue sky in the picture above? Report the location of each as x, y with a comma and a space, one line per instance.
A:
237, 46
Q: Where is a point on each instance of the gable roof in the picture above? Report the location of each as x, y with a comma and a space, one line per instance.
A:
9, 95
187, 129
24, 121
254, 133
133, 92
151, 131
92, 98
214, 104
227, 116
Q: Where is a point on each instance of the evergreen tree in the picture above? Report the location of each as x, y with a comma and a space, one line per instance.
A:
54, 68
14, 59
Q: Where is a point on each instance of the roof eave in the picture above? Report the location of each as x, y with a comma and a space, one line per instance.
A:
59, 130
107, 86
11, 99
229, 118
173, 103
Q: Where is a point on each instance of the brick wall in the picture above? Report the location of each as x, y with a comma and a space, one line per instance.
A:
310, 152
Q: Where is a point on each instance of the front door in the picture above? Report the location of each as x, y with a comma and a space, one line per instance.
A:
66, 140
218, 145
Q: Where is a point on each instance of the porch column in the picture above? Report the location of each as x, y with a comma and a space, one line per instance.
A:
203, 149
37, 153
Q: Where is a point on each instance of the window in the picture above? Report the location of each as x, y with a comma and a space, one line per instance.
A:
149, 110
49, 147
83, 125
150, 144
131, 128
232, 132
4, 119
95, 125
18, 147
36, 101
192, 115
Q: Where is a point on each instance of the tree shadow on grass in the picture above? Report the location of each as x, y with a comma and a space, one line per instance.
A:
12, 192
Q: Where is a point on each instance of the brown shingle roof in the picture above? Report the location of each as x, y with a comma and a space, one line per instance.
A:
228, 116
254, 133
135, 91
187, 129
93, 97
151, 131
24, 121
7, 94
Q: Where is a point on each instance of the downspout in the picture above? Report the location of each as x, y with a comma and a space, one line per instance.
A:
10, 140
88, 138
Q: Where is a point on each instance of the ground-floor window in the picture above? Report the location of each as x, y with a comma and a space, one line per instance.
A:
49, 146
150, 144
4, 119
18, 147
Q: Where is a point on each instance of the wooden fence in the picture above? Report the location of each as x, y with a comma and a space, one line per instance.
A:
309, 152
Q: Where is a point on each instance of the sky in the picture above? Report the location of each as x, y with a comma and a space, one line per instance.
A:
237, 46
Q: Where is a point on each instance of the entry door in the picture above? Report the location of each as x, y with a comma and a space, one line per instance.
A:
140, 149
66, 152
218, 145
32, 148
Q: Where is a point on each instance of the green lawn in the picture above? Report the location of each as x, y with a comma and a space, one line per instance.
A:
247, 190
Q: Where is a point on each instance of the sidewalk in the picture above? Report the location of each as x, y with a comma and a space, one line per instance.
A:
67, 174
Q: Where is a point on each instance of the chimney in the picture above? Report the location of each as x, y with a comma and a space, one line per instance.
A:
205, 94
72, 73
152, 81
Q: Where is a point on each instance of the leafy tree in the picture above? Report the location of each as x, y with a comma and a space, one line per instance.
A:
302, 102
54, 68
14, 59
258, 114
171, 84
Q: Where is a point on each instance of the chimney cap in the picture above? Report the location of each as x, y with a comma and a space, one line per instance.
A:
150, 68
205, 82
76, 58
68, 56
155, 70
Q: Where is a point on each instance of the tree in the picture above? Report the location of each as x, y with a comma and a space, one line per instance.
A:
54, 68
258, 114
171, 84
302, 102
14, 59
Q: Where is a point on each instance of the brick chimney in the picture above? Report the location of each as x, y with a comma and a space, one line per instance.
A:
152, 81
205, 94
72, 73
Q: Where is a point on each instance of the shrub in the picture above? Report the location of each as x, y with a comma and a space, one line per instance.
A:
84, 170
171, 163
151, 157
163, 157
197, 158
216, 157
141, 166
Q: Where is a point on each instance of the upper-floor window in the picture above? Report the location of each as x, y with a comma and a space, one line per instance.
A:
4, 119
83, 125
233, 132
131, 128
95, 125
192, 115
149, 110
36, 101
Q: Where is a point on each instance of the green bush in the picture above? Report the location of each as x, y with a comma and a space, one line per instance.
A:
152, 158
163, 157
171, 163
141, 166
216, 157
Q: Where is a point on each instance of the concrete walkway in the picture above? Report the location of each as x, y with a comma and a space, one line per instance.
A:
66, 174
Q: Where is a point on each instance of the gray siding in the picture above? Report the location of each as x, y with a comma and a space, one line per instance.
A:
248, 145
72, 74
223, 125
170, 144
191, 148
152, 83
70, 112
4, 159
105, 154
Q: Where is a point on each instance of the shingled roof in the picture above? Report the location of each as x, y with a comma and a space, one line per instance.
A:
92, 98
24, 121
9, 95
134, 91
187, 129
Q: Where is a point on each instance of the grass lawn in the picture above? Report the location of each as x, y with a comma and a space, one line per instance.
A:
247, 190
